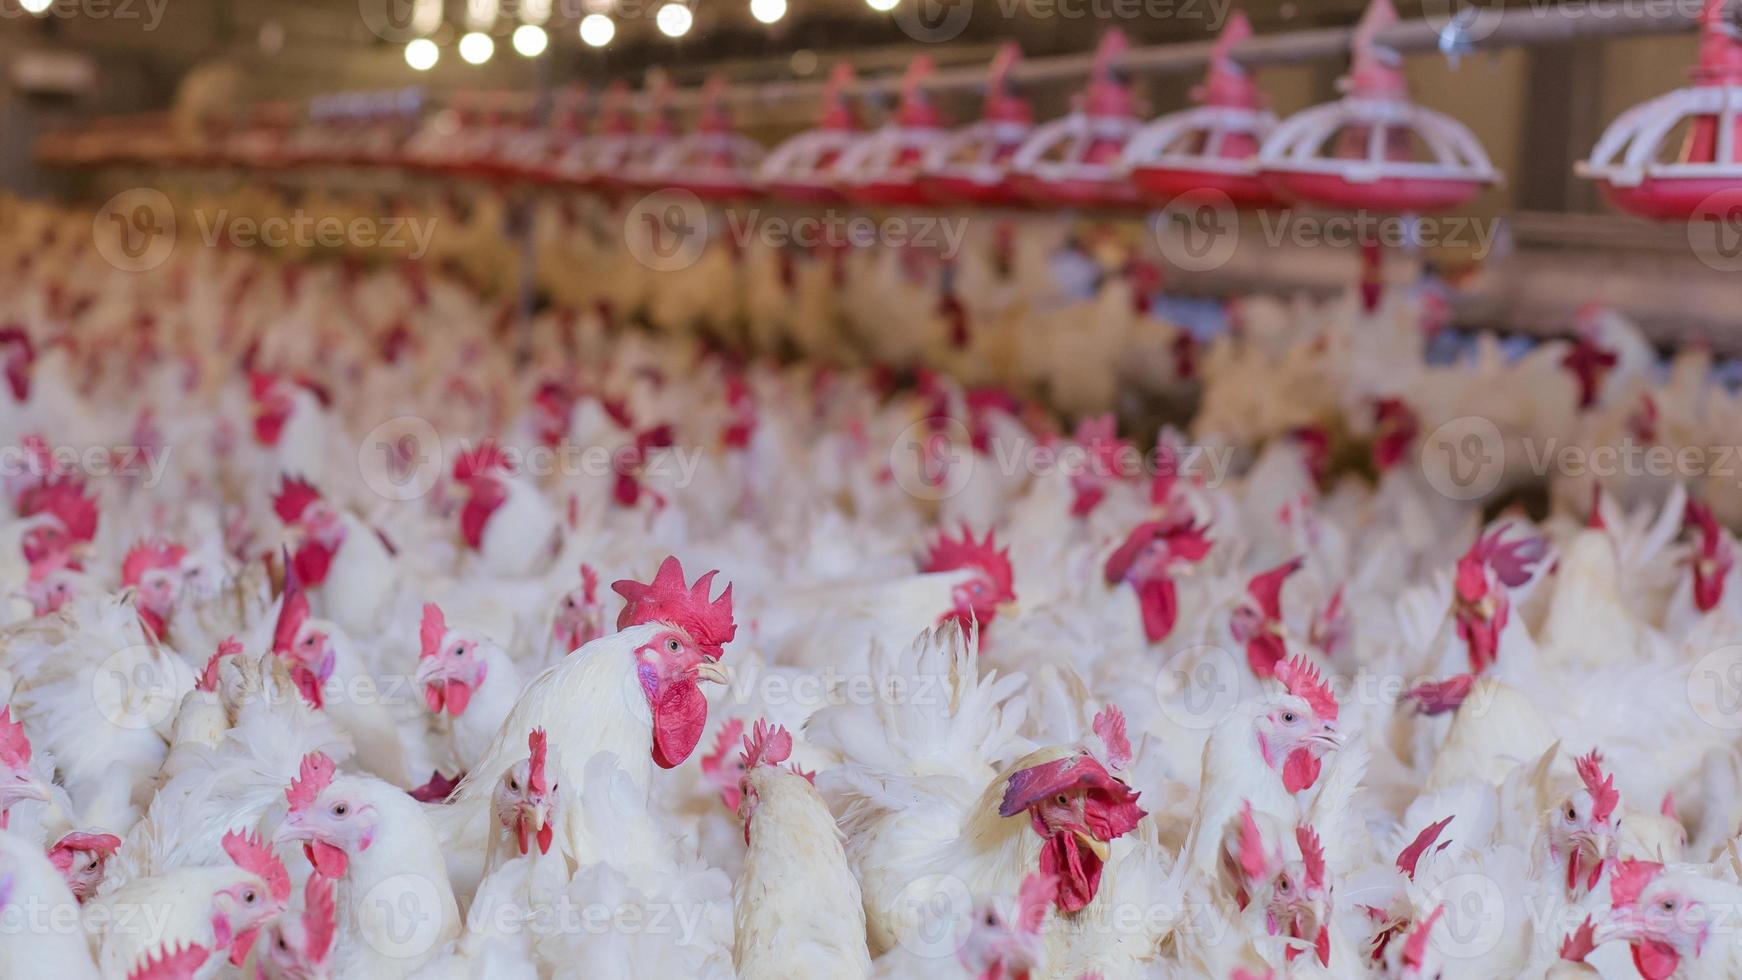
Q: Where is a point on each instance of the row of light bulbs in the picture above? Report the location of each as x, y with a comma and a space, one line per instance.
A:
597, 30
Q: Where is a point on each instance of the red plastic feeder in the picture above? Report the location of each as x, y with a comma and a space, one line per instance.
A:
1373, 132
803, 169
884, 167
1074, 161
1629, 159
972, 165
578, 164
714, 162
623, 161
1213, 146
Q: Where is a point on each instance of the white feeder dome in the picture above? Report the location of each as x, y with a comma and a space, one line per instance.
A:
972, 164
884, 167
714, 161
1385, 152
1630, 157
803, 169
1073, 161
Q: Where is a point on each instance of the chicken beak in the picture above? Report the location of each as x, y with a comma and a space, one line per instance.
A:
712, 670
24, 790
291, 829
1008, 609
1617, 923
1097, 846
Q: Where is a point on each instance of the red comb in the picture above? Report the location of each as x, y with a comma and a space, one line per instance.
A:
64, 498
1266, 587
178, 964
948, 554
291, 616
314, 776
1110, 725
537, 744
1312, 854
1629, 880
1037, 892
14, 745
1699, 516
1252, 859
1411, 855
208, 681
1511, 560
589, 583
320, 917
251, 854
61, 854
1439, 697
1302, 680
667, 600
147, 555
1601, 787
430, 631
766, 745
1415, 947
487, 458
294, 496
1581, 943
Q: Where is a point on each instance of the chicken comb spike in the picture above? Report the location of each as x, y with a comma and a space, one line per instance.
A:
1302, 680
589, 583
320, 917
294, 496
1581, 943
1266, 587
170, 964
1699, 516
430, 631
63, 498
1252, 858
1629, 879
537, 743
483, 459
1037, 892
766, 745
1312, 854
948, 554
312, 778
291, 616
727, 739
1411, 855
667, 600
208, 681
148, 555
1415, 947
251, 854
1512, 561
61, 854
1604, 796
14, 744
1109, 723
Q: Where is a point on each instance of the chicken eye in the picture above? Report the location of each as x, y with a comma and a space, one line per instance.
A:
248, 897
340, 809
1289, 717
1669, 905
672, 645
1572, 814
991, 919
1062, 800
459, 650
568, 602
1282, 885
513, 785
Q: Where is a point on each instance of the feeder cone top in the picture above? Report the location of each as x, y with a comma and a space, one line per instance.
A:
837, 111
916, 110
1002, 105
1227, 84
1720, 47
1106, 96
1376, 71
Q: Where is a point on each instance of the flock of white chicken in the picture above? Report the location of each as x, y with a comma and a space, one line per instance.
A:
339, 644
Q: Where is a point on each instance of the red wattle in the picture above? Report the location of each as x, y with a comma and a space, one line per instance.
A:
679, 715
1078, 870
1159, 603
1655, 960
1300, 770
329, 861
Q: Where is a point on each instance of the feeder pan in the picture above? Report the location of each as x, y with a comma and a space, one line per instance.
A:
1213, 146
530, 154
623, 161
883, 168
972, 165
1627, 160
1074, 161
714, 162
803, 169
578, 164
1372, 134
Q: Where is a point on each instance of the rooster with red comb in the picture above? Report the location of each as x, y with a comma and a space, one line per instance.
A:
635, 693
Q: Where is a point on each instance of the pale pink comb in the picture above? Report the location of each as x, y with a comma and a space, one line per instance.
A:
1415, 947
1629, 880
63, 498
1667, 807
948, 554
148, 555
1312, 854
535, 775
1110, 725
319, 917
1581, 943
61, 854
229, 647
251, 854
294, 496
314, 776
14, 744
1410, 856
1252, 859
1266, 587
430, 631
177, 964
1037, 892
589, 583
766, 745
1604, 796
667, 600
1302, 680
